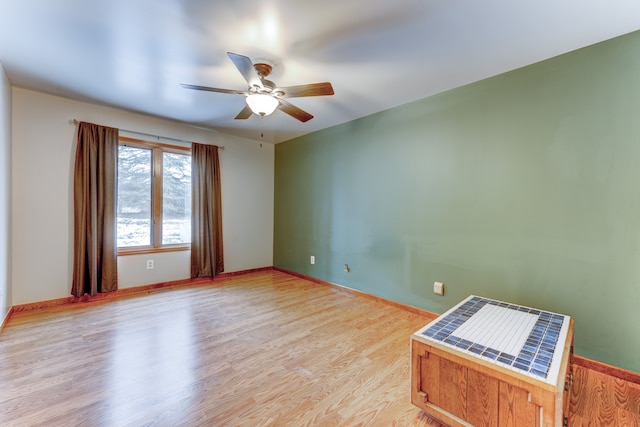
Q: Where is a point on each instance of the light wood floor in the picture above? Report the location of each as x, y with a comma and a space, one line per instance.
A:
263, 349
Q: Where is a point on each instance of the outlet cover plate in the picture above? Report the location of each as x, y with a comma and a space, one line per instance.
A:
438, 288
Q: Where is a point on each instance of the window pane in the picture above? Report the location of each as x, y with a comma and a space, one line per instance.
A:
134, 196
176, 198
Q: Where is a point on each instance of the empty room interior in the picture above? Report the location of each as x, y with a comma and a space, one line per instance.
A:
411, 160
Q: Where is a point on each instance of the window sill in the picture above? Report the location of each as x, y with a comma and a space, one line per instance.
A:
150, 250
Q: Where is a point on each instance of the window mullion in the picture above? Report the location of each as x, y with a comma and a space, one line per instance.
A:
157, 198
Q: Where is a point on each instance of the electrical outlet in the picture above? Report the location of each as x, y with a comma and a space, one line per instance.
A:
312, 260
149, 264
438, 288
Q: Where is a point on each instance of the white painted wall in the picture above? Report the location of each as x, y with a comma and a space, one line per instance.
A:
5, 194
43, 153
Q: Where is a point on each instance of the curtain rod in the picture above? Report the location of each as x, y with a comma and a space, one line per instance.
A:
221, 147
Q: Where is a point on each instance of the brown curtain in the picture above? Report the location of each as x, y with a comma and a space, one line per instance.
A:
207, 258
94, 220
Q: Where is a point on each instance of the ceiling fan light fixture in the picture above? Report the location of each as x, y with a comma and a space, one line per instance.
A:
262, 104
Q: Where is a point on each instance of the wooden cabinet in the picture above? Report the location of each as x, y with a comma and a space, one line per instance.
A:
461, 390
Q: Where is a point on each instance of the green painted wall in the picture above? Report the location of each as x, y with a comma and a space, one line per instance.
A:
523, 187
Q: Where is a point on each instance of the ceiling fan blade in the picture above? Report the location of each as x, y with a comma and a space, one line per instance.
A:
295, 112
313, 89
244, 114
214, 89
246, 68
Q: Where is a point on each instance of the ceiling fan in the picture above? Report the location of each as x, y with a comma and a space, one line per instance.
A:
263, 96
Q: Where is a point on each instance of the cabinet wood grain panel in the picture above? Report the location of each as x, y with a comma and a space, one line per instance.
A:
515, 408
482, 399
430, 378
453, 388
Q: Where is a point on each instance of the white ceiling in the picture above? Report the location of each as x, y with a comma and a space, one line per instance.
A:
133, 54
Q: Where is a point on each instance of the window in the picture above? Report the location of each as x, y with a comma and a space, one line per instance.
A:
154, 197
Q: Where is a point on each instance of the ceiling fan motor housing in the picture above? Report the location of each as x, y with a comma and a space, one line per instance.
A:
263, 69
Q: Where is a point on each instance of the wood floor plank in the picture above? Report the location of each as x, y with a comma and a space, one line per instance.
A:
262, 349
